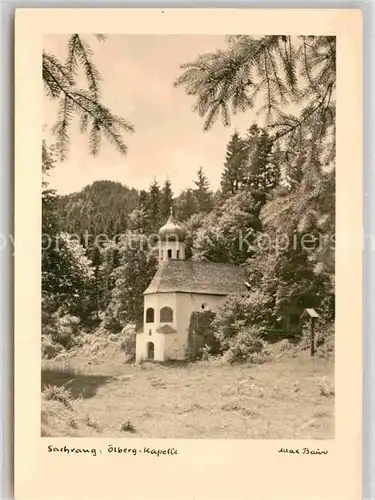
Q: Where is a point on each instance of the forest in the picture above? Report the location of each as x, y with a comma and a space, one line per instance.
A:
274, 213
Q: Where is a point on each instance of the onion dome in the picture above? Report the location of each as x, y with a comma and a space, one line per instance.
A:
171, 230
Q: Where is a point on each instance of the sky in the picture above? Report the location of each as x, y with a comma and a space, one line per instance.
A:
138, 72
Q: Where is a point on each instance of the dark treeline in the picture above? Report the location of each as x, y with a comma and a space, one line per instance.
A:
111, 208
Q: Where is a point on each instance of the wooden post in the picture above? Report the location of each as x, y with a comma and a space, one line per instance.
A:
312, 337
312, 314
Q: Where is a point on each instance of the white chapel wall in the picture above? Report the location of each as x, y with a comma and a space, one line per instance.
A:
172, 345
156, 301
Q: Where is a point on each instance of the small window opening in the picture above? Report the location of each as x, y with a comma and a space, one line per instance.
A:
150, 315
169, 254
178, 254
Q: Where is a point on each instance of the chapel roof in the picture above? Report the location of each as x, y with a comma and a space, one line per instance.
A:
190, 276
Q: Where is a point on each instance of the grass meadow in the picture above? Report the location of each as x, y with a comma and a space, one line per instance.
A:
288, 397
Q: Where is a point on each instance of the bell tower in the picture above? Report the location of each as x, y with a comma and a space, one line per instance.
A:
172, 240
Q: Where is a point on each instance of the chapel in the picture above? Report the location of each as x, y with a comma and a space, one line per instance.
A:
179, 288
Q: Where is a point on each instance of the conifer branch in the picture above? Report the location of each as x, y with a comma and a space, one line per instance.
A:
60, 83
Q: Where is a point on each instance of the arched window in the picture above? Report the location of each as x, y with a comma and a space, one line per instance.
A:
166, 315
150, 315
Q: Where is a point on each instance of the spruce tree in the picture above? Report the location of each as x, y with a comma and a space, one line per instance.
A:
202, 192
139, 219
96, 262
154, 206
186, 205
262, 172
166, 200
143, 199
233, 176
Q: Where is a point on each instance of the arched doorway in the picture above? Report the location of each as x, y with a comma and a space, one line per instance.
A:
150, 350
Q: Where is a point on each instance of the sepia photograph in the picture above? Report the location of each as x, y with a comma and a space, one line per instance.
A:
188, 236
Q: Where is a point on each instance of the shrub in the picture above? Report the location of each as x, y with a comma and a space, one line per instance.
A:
326, 387
71, 322
111, 322
205, 353
73, 421
201, 337
93, 424
56, 393
50, 349
246, 346
113, 337
129, 340
67, 331
286, 345
237, 314
59, 332
325, 341
127, 427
